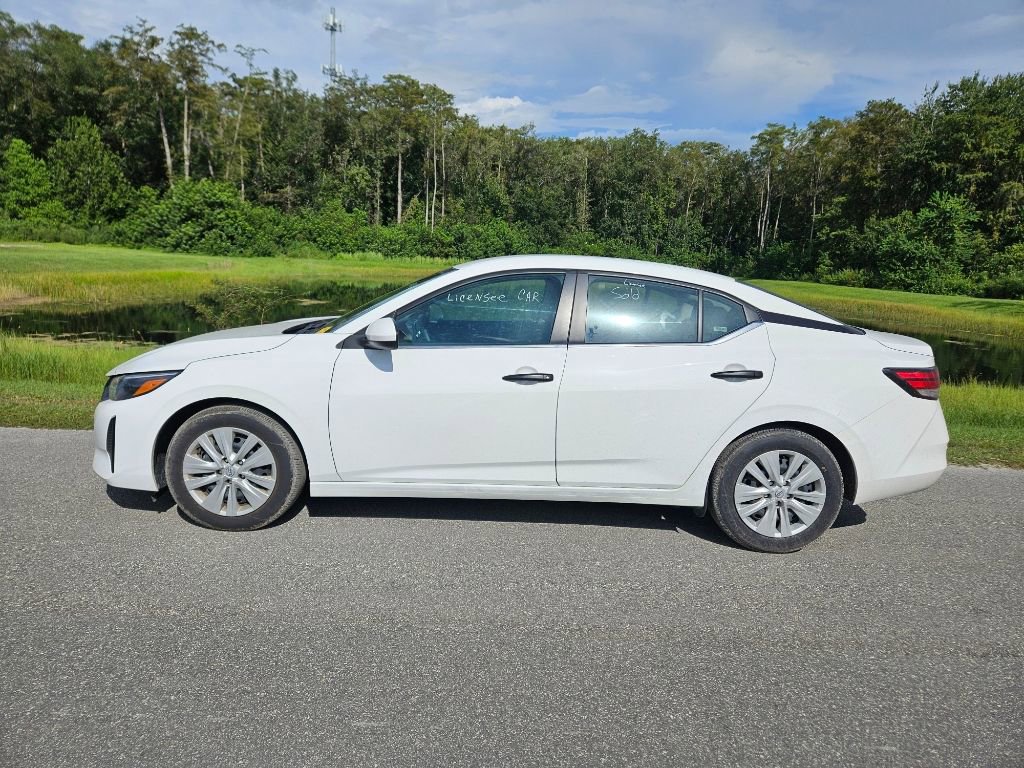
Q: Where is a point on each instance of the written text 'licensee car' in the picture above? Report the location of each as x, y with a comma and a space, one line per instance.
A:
537, 377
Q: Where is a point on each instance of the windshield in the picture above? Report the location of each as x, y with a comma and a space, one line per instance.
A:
348, 317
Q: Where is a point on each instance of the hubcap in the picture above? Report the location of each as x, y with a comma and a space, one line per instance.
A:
780, 493
229, 471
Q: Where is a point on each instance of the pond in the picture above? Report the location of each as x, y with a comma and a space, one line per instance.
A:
959, 359
164, 323
982, 359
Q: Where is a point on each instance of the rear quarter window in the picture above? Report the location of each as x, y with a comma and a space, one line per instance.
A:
721, 316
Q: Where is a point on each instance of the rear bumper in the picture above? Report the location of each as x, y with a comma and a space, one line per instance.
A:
910, 457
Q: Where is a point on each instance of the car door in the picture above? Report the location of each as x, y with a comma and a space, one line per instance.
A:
469, 395
655, 374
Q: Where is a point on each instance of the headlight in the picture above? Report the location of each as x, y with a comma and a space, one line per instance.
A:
131, 385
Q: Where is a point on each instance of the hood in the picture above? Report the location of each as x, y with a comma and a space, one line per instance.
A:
901, 343
234, 341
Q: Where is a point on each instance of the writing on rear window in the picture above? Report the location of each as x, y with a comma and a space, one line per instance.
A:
629, 290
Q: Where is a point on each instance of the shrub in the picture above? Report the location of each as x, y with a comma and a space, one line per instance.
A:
236, 304
1010, 286
24, 181
204, 217
853, 278
333, 229
303, 250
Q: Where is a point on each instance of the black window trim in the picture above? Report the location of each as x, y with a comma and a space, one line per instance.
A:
559, 329
806, 322
780, 318
578, 329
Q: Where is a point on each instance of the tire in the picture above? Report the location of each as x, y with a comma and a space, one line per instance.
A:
744, 477
256, 487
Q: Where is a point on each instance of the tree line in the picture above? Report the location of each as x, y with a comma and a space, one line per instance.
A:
146, 139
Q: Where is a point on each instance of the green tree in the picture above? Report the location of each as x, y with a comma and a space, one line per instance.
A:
190, 54
403, 101
24, 182
86, 175
139, 95
933, 250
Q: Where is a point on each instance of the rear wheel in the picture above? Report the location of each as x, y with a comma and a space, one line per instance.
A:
234, 468
776, 490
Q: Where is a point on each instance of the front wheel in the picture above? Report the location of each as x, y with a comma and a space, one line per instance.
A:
234, 468
776, 490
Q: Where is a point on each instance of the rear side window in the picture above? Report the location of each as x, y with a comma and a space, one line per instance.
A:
721, 316
639, 311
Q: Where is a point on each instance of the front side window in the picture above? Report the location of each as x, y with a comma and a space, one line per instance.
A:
638, 311
511, 309
721, 316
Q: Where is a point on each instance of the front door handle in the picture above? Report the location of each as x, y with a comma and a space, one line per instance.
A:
737, 375
528, 378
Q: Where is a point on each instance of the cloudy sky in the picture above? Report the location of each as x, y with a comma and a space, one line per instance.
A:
704, 69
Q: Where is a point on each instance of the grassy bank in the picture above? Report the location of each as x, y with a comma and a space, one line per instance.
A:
985, 422
56, 385
902, 312
82, 277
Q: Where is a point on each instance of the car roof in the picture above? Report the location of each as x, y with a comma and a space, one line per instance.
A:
595, 263
728, 285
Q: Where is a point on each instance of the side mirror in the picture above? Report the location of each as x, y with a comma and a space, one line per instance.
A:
381, 334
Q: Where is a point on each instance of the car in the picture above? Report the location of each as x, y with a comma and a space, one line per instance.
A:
546, 377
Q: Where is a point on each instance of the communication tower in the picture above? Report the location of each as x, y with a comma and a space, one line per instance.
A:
332, 25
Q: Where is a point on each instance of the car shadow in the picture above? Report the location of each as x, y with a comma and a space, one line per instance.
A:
141, 501
688, 520
651, 517
850, 514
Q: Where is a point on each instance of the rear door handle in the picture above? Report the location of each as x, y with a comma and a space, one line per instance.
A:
529, 377
737, 375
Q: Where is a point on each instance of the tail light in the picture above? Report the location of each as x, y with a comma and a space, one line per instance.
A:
919, 382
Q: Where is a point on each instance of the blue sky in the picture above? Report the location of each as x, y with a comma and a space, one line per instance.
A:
692, 69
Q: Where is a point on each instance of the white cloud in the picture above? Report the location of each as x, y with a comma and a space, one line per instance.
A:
768, 73
591, 112
991, 24
600, 99
509, 110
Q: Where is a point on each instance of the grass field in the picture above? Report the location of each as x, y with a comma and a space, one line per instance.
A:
56, 384
909, 312
86, 276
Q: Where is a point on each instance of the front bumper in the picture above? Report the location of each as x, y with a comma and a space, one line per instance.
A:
123, 438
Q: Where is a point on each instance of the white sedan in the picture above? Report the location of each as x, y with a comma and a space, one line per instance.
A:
537, 377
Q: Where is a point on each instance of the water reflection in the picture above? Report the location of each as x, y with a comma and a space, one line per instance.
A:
961, 359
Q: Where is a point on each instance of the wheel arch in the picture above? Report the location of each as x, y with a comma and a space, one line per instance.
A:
183, 414
833, 443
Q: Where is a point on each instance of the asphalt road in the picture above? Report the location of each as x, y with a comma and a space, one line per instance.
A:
394, 632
